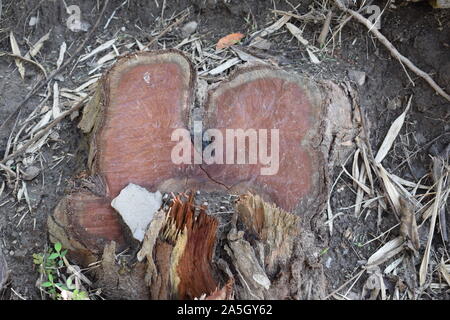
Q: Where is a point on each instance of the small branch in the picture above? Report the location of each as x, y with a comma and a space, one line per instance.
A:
392, 49
44, 131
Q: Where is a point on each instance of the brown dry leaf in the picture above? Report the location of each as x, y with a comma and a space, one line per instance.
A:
229, 40
16, 51
408, 224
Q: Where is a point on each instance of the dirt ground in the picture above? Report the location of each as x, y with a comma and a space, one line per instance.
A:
416, 29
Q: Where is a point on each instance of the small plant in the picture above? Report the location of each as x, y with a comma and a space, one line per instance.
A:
53, 281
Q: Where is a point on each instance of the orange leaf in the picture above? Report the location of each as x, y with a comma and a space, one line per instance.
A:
229, 40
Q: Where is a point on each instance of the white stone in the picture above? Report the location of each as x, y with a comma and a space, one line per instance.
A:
137, 206
33, 21
189, 28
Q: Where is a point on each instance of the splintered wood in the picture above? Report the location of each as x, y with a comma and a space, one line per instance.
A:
130, 120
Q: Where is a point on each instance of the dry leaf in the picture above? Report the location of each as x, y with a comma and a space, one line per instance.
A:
37, 46
297, 33
224, 66
229, 40
444, 272
62, 51
16, 51
436, 206
408, 224
56, 111
100, 48
386, 252
392, 134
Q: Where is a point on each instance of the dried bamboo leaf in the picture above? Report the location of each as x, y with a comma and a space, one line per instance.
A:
391, 190
224, 66
20, 58
62, 51
297, 33
16, 51
436, 205
392, 135
100, 48
444, 272
386, 252
56, 111
38, 45
312, 56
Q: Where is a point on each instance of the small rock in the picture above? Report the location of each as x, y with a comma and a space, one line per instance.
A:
137, 206
359, 77
33, 21
123, 29
189, 28
30, 173
328, 262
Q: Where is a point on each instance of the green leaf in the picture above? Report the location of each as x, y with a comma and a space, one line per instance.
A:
63, 253
53, 256
46, 284
58, 246
62, 286
50, 277
70, 283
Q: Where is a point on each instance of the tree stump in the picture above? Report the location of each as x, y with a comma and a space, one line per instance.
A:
130, 120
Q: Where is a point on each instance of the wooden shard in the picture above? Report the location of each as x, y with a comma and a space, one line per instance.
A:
274, 227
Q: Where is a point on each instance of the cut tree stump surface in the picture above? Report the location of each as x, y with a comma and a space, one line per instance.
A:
130, 119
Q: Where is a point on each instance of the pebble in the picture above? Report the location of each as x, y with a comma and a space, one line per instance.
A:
328, 262
30, 173
33, 21
189, 28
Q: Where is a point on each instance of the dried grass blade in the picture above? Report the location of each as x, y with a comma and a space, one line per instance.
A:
392, 134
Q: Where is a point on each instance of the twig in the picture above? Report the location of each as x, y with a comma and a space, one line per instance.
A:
359, 274
165, 31
325, 29
43, 82
392, 49
45, 130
